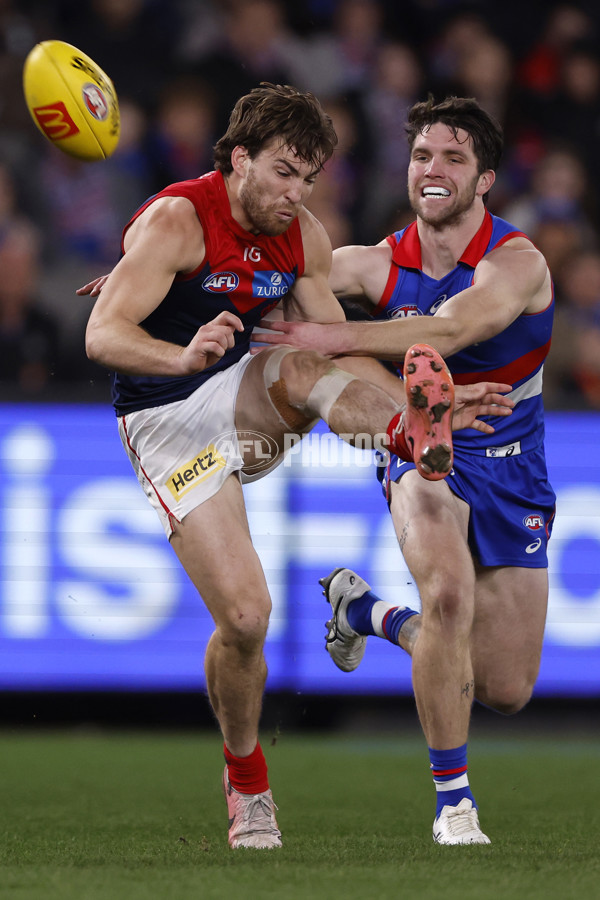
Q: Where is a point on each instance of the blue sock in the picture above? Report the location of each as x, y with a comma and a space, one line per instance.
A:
370, 615
449, 770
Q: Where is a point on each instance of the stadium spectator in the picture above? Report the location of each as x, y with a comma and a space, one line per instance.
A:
395, 82
575, 107
255, 45
558, 210
183, 130
573, 376
29, 333
445, 51
539, 70
135, 41
340, 60
558, 191
338, 194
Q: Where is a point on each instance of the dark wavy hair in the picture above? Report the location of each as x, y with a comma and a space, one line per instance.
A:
460, 113
277, 111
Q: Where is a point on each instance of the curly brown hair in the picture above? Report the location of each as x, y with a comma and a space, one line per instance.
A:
277, 111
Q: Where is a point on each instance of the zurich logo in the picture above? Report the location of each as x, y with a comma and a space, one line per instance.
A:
221, 282
276, 278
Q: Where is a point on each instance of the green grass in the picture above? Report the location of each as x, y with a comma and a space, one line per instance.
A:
88, 815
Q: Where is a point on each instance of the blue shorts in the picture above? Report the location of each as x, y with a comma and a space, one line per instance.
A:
512, 504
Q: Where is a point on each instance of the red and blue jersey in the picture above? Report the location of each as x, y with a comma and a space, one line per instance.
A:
245, 273
515, 356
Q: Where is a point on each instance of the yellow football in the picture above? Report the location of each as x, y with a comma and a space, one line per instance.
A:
71, 100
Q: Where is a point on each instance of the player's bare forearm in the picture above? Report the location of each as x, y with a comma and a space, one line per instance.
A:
127, 348
382, 340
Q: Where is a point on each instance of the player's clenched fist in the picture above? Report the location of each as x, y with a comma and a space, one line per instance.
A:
210, 343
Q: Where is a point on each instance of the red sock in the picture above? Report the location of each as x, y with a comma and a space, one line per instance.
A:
397, 439
247, 774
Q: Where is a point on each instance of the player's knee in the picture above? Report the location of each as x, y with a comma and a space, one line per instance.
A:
301, 370
507, 698
245, 627
449, 605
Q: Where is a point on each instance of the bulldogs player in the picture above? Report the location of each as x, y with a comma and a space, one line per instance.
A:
475, 288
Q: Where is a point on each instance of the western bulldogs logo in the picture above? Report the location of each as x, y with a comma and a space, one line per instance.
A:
95, 101
534, 522
221, 282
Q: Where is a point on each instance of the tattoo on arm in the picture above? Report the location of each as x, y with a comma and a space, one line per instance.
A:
468, 689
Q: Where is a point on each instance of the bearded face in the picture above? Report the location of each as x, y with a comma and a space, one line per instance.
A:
443, 176
266, 214
276, 185
442, 207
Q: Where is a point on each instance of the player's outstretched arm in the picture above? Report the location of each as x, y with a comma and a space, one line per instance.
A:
510, 281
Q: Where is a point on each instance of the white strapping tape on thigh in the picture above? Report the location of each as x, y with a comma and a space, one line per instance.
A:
272, 367
327, 391
321, 398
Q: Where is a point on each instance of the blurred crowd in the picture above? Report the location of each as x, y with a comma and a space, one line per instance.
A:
179, 66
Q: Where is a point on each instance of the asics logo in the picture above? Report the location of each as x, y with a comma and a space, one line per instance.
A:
533, 547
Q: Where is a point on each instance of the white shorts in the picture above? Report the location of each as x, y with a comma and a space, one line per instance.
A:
182, 452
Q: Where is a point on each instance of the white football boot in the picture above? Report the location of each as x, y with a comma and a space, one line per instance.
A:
459, 825
345, 646
252, 820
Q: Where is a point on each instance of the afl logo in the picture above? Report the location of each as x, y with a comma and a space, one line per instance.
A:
95, 101
258, 450
404, 312
221, 282
533, 522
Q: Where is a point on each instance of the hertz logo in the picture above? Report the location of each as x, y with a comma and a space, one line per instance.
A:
55, 121
191, 473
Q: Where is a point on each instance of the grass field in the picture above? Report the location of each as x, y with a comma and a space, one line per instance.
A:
125, 816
